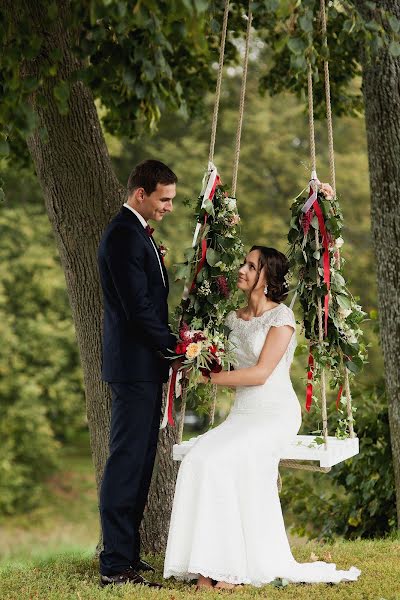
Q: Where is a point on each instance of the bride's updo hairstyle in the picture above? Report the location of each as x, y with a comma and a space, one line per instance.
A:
276, 267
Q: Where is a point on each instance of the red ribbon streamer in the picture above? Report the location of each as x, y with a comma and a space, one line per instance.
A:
170, 399
204, 241
338, 397
309, 384
325, 258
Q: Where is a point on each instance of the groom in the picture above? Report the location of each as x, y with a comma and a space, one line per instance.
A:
136, 339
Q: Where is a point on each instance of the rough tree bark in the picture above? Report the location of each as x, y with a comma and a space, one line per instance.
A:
381, 90
82, 194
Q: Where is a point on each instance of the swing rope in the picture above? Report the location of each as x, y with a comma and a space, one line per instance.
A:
241, 103
219, 81
332, 171
214, 125
317, 247
237, 150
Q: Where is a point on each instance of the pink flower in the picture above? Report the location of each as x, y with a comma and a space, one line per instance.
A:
326, 190
234, 220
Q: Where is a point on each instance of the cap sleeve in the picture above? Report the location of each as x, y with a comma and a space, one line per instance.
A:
284, 316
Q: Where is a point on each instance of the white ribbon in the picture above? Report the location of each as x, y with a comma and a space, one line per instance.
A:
208, 183
178, 392
165, 416
314, 183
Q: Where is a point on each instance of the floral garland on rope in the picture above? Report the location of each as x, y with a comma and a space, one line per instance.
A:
210, 276
314, 253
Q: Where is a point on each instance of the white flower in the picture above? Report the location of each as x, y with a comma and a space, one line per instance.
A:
193, 349
231, 203
339, 242
205, 289
344, 312
351, 337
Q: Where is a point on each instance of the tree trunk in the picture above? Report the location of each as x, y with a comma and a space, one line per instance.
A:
381, 90
82, 194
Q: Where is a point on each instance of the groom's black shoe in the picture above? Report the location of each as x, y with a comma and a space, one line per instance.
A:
142, 565
127, 576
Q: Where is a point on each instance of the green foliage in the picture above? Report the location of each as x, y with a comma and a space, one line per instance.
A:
340, 344
357, 498
28, 452
292, 33
41, 390
210, 276
139, 62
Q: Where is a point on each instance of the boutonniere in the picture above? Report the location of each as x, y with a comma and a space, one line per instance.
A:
163, 250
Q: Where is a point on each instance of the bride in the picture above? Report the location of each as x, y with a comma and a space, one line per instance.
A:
226, 524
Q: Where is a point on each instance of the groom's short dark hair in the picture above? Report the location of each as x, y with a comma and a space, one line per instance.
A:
148, 174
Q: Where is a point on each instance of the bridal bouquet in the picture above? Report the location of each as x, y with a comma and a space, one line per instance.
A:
202, 352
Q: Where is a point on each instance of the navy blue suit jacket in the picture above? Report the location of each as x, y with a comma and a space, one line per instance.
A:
136, 334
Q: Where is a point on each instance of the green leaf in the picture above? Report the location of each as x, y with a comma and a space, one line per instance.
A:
61, 93
343, 301
352, 366
306, 22
212, 257
209, 207
394, 48
394, 23
4, 147
296, 45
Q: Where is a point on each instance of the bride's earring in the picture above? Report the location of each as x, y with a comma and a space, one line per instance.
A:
266, 289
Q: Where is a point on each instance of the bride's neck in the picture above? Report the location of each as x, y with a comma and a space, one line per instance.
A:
256, 305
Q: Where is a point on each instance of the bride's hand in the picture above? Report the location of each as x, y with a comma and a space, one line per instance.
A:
203, 379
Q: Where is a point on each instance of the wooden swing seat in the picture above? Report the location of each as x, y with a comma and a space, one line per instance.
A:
303, 448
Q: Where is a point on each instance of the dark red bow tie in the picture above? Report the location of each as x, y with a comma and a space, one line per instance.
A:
149, 230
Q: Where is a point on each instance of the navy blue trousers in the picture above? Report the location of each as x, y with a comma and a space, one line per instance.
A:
135, 422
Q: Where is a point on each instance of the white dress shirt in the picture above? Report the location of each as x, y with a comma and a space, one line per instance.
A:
144, 223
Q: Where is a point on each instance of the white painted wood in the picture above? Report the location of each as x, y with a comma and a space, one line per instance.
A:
303, 447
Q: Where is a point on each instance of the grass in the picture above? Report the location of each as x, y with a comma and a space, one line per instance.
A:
65, 522
47, 554
75, 577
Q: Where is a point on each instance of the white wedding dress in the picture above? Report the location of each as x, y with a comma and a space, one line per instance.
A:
226, 520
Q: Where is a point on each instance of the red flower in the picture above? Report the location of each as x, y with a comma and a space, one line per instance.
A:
306, 220
181, 347
223, 286
198, 337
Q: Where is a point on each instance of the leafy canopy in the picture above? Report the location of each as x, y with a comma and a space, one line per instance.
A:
143, 59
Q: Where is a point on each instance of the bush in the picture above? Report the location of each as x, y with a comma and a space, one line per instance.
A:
28, 455
357, 498
41, 388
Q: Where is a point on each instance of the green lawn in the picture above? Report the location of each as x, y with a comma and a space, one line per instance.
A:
47, 554
76, 577
65, 522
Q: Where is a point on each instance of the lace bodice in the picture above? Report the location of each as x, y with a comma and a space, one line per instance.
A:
248, 337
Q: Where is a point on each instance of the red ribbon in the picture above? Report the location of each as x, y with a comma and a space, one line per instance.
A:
204, 241
170, 398
309, 384
325, 259
338, 397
